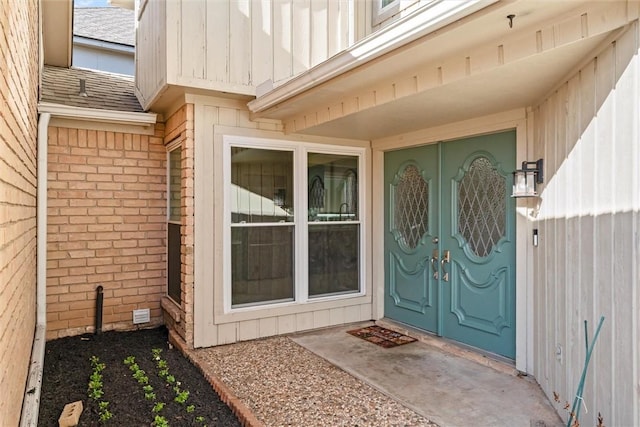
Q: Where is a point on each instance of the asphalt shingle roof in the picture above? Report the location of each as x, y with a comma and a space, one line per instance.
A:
111, 24
104, 90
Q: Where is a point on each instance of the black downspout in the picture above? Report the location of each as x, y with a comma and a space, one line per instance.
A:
99, 297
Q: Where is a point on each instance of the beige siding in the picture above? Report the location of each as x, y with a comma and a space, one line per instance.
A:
214, 118
106, 224
18, 131
586, 264
235, 45
151, 51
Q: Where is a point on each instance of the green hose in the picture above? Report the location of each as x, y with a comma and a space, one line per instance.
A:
575, 409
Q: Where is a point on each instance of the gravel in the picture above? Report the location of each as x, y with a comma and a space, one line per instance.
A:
283, 384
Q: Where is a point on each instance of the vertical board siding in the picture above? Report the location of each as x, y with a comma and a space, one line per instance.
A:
240, 50
193, 39
217, 30
282, 39
18, 170
236, 45
151, 55
585, 266
263, 58
301, 36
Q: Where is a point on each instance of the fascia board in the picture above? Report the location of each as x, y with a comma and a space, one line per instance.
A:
97, 115
420, 23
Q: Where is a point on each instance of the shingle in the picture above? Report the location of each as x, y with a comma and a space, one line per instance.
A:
104, 90
111, 24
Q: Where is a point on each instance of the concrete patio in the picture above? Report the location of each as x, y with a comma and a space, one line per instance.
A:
440, 385
347, 381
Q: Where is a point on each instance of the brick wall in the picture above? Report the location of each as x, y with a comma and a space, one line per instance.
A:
179, 130
18, 133
106, 226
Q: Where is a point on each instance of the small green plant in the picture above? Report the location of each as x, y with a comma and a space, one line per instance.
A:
141, 377
95, 390
181, 396
160, 421
105, 414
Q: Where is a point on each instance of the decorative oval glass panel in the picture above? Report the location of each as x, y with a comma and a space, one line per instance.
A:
411, 207
481, 207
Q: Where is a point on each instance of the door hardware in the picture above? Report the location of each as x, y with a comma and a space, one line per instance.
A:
446, 258
434, 261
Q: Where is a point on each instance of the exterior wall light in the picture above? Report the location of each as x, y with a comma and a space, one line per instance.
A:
526, 179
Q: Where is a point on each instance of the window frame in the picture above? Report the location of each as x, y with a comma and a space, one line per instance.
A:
300, 151
170, 148
381, 14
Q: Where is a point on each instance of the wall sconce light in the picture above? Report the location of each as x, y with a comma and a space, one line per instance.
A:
525, 179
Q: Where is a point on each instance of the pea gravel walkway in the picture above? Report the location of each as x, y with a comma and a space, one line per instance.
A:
283, 384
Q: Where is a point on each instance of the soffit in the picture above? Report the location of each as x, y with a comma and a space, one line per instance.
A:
474, 67
57, 24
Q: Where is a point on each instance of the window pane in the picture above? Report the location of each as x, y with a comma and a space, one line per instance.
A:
334, 259
173, 263
262, 260
261, 185
332, 187
175, 172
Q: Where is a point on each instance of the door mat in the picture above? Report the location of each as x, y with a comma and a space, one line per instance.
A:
381, 336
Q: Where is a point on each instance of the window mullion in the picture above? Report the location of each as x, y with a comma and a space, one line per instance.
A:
302, 248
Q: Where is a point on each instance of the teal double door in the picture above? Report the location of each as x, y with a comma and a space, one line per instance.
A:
450, 240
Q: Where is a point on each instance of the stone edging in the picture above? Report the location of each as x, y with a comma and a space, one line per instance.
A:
242, 411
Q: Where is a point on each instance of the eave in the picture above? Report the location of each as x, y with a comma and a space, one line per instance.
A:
57, 32
475, 66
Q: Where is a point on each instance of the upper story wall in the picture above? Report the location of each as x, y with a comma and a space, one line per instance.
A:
233, 46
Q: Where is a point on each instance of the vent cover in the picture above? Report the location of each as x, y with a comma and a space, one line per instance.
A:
141, 316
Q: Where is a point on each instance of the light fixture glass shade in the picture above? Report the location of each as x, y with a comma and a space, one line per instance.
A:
524, 183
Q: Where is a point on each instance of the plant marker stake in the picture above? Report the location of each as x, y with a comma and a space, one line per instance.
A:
575, 409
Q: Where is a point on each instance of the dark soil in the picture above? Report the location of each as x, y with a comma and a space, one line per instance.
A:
67, 369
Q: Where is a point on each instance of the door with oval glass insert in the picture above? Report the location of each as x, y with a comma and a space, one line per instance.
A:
450, 240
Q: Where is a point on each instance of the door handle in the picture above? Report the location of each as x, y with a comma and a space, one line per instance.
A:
446, 258
434, 261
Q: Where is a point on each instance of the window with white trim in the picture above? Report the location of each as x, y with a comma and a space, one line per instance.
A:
385, 9
275, 253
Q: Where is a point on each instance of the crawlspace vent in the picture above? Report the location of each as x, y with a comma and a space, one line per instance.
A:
141, 316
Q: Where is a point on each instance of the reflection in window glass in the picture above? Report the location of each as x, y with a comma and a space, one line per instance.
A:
334, 255
332, 187
262, 255
263, 260
175, 172
261, 185
334, 259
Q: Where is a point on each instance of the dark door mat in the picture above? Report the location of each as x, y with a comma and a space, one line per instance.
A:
381, 336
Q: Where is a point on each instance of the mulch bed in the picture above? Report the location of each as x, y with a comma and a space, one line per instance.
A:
67, 369
381, 336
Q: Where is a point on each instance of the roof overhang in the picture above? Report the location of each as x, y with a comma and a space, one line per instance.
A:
475, 66
87, 118
57, 31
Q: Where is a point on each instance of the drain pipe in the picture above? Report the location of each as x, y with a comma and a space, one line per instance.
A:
31, 401
99, 302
